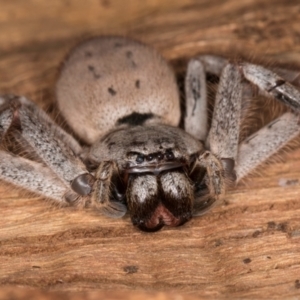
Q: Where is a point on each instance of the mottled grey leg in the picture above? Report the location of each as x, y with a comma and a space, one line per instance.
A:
195, 120
214, 181
223, 136
33, 177
105, 193
257, 148
37, 133
55, 147
272, 85
214, 65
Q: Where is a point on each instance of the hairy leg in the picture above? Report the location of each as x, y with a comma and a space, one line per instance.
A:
104, 192
210, 187
54, 147
272, 85
257, 148
34, 177
223, 136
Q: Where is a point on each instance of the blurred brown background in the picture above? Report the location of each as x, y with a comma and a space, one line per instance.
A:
247, 247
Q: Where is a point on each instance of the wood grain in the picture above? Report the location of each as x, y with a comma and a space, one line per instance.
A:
246, 247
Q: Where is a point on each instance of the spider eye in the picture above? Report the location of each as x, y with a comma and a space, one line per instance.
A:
140, 158
160, 156
149, 157
170, 155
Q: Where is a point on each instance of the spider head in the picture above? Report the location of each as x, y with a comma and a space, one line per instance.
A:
154, 175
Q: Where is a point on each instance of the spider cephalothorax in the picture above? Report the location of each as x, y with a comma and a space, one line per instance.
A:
120, 98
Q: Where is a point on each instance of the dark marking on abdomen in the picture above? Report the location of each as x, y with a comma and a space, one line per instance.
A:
137, 84
94, 72
112, 91
135, 119
129, 55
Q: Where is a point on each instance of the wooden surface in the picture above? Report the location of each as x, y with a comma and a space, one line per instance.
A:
246, 247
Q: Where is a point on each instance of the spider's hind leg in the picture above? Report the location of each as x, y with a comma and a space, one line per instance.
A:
272, 85
261, 145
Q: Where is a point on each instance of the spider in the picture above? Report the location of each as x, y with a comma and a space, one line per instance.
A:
121, 99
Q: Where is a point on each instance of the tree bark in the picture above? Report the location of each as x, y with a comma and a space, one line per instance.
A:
246, 247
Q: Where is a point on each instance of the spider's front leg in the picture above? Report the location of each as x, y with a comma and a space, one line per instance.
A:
223, 137
59, 174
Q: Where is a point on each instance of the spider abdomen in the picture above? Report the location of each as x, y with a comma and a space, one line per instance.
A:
112, 81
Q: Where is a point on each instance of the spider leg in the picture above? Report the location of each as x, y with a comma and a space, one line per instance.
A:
267, 141
289, 75
58, 150
213, 180
34, 177
272, 85
25, 173
223, 136
214, 65
195, 120
6, 117
49, 142
102, 197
